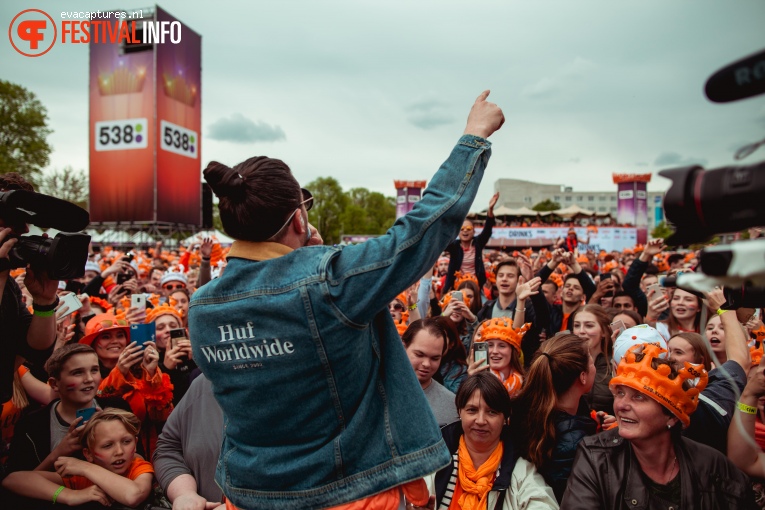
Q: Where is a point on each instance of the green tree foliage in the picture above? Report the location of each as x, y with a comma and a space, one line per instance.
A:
357, 211
662, 230
23, 132
66, 184
328, 207
546, 205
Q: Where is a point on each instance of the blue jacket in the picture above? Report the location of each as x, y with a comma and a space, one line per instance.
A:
321, 406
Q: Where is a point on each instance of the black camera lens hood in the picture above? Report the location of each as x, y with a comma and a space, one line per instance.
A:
44, 211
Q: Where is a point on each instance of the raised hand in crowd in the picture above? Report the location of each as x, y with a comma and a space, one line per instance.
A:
658, 303
492, 203
484, 118
736, 338
115, 294
456, 306
525, 289
475, 366
569, 258
604, 286
130, 356
742, 448
135, 315
558, 256
205, 248
150, 357
524, 265
131, 286
651, 249
64, 331
118, 266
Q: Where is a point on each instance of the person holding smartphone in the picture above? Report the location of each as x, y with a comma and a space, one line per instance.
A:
175, 354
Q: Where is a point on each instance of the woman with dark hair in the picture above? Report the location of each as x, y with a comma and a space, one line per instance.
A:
487, 470
470, 290
553, 415
592, 325
646, 462
425, 343
291, 318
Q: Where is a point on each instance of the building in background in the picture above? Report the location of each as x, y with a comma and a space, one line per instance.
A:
517, 193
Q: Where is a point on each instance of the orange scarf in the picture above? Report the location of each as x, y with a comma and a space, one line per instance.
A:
476, 483
513, 382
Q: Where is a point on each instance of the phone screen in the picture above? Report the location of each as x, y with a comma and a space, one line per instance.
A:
86, 414
457, 294
480, 352
618, 325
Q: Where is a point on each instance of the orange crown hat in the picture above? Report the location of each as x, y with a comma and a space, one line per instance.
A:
662, 266
759, 333
609, 266
459, 278
582, 259
690, 256
656, 384
153, 314
447, 299
103, 322
627, 251
501, 329
558, 279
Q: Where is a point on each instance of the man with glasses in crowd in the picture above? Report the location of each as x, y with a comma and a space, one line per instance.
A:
466, 252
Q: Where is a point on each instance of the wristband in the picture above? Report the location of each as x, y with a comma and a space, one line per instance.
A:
55, 494
38, 313
206, 259
720, 311
745, 408
520, 309
45, 308
413, 307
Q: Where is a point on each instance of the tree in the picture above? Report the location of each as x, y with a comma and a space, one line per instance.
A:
329, 204
546, 205
662, 230
368, 212
23, 132
67, 185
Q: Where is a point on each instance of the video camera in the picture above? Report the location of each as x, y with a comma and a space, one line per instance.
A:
700, 204
62, 257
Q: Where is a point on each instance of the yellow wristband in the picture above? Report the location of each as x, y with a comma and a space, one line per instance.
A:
745, 408
720, 311
55, 494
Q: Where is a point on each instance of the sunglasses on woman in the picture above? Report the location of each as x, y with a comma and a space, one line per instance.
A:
173, 286
397, 307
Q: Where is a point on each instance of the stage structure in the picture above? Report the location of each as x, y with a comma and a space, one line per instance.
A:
145, 123
408, 193
632, 206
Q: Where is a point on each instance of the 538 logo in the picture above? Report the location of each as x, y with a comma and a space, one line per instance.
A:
32, 32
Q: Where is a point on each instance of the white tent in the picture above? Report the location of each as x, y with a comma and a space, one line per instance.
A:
219, 236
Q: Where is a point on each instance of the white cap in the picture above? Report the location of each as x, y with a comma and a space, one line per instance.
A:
640, 334
92, 266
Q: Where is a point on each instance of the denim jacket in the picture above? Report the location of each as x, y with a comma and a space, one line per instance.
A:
321, 406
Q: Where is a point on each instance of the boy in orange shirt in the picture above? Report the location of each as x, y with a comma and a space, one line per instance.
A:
113, 471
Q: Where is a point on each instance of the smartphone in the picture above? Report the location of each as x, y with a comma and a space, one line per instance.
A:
605, 276
177, 334
142, 333
618, 325
72, 303
86, 414
138, 301
123, 277
480, 352
457, 294
656, 288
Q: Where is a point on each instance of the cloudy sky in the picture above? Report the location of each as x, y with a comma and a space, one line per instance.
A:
368, 92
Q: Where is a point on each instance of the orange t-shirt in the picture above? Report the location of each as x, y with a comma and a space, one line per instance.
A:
564, 323
137, 468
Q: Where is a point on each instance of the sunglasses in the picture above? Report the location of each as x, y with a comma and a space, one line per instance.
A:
108, 323
307, 201
398, 307
466, 229
172, 286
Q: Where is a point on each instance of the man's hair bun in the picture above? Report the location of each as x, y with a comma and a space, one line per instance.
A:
224, 181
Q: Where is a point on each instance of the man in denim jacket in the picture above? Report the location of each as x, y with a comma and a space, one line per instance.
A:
321, 406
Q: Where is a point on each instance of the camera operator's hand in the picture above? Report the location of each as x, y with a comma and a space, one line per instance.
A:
42, 288
652, 248
5, 243
485, 118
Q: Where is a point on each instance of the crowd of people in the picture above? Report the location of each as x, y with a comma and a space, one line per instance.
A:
409, 371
